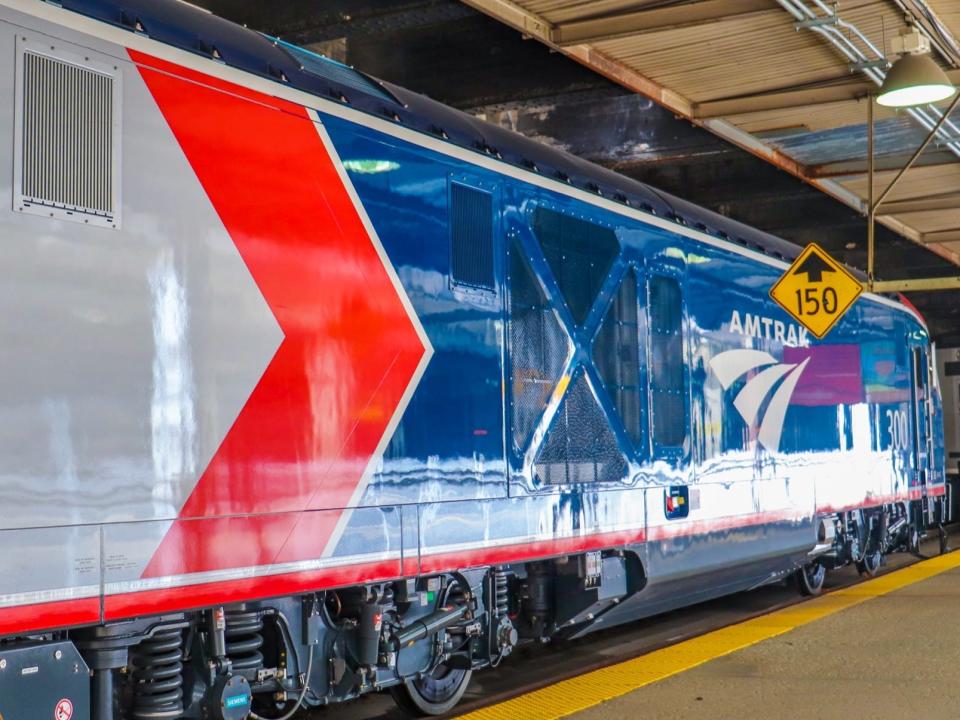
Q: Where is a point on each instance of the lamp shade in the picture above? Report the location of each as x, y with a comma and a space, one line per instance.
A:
914, 80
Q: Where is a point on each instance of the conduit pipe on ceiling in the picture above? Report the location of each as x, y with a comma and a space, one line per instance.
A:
928, 116
939, 34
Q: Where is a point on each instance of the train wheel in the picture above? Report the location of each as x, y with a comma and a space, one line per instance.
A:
870, 563
810, 578
435, 694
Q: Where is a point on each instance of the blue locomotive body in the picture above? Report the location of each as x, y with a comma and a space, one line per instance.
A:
564, 306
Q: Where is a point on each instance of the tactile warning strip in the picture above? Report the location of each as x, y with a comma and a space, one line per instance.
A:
585, 691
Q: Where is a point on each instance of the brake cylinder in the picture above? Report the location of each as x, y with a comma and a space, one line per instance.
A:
368, 633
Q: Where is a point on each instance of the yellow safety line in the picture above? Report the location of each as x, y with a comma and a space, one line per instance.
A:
584, 691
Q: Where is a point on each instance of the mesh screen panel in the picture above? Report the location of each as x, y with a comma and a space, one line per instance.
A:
616, 355
666, 357
580, 447
538, 347
580, 255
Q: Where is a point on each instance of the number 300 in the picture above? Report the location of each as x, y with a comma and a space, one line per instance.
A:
898, 428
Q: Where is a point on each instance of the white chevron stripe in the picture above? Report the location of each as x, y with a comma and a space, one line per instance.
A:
751, 397
414, 382
772, 426
730, 365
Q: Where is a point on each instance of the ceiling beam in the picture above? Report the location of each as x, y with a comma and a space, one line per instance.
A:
884, 163
941, 236
788, 98
943, 201
783, 99
621, 25
918, 285
530, 24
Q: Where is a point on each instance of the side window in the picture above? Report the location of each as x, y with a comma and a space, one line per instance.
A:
616, 355
666, 362
538, 347
920, 372
471, 237
921, 396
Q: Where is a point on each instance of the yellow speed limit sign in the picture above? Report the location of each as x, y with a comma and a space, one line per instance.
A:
816, 290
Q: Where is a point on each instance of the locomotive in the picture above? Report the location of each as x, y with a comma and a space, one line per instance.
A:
313, 387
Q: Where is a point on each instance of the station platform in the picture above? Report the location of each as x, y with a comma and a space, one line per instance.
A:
885, 648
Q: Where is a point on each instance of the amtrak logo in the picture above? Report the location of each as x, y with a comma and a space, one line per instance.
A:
730, 365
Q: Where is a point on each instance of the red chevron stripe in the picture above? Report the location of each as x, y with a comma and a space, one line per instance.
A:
311, 425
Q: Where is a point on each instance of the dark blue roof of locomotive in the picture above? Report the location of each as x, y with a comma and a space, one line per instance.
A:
190, 28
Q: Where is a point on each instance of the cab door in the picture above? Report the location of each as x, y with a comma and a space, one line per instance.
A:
921, 418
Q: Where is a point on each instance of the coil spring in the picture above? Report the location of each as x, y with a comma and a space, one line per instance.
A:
243, 638
158, 675
501, 593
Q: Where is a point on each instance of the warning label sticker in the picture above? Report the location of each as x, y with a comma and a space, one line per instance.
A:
64, 710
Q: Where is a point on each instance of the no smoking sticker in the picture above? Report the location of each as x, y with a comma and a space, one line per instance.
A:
64, 710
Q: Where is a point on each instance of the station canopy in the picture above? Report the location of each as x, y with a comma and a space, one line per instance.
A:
787, 80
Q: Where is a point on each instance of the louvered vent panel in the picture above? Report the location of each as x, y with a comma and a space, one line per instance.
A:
471, 222
67, 136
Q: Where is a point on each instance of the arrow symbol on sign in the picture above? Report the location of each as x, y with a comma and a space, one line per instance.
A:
814, 267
